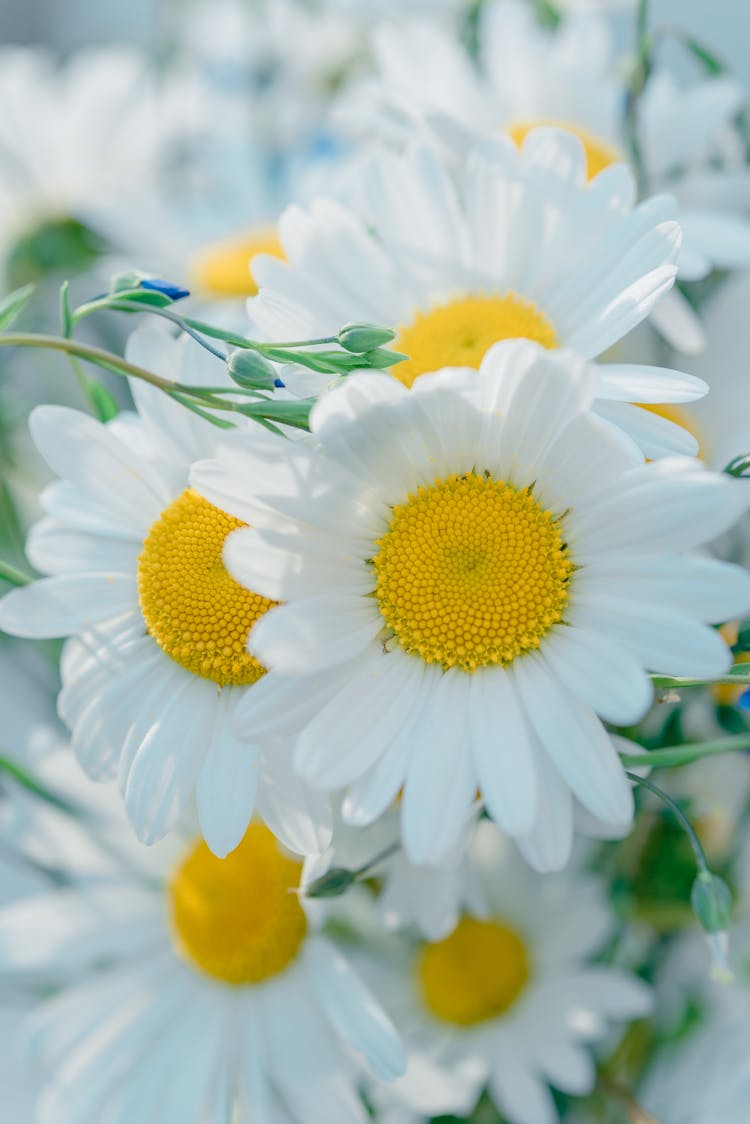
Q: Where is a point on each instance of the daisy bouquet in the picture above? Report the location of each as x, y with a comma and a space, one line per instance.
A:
402, 617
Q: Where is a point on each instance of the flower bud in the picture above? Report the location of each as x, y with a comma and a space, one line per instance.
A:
250, 370
364, 337
332, 884
711, 900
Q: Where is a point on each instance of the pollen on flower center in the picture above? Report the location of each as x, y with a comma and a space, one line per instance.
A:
459, 333
223, 269
238, 919
471, 572
195, 611
474, 974
599, 154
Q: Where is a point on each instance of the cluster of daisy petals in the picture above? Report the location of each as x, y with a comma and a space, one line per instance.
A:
411, 645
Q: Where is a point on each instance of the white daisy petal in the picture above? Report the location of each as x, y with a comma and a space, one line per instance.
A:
318, 632
67, 604
603, 675
503, 758
226, 788
440, 781
298, 815
576, 741
352, 1011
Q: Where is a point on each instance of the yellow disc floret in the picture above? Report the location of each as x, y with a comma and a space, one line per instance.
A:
196, 612
223, 270
476, 973
238, 919
599, 154
459, 333
471, 572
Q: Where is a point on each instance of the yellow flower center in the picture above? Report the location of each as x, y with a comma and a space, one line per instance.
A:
238, 919
599, 154
471, 572
223, 270
459, 333
476, 973
196, 612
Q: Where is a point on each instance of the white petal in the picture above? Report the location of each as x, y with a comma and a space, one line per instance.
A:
65, 605
297, 814
227, 785
631, 382
605, 676
576, 741
165, 769
440, 781
378, 702
502, 755
353, 1012
316, 633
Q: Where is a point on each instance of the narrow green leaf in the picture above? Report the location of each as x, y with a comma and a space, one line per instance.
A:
103, 403
296, 413
13, 575
13, 304
66, 315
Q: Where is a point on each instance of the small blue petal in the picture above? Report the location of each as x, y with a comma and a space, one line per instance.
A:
174, 292
278, 382
744, 700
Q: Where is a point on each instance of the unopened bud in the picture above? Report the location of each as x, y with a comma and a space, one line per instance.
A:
364, 337
711, 900
332, 884
251, 370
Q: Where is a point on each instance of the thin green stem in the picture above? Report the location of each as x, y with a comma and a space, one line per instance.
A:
675, 755
700, 855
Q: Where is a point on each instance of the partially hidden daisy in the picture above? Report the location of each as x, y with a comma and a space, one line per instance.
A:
528, 75
476, 571
522, 246
191, 989
158, 658
513, 993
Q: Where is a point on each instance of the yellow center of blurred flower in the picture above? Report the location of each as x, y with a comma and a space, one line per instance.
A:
223, 270
196, 612
238, 919
476, 973
459, 333
599, 154
471, 572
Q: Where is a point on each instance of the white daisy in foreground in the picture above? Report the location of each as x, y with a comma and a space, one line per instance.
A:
528, 75
474, 569
521, 247
512, 994
204, 994
159, 660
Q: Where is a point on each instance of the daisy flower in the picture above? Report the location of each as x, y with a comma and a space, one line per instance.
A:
521, 246
528, 75
158, 659
477, 571
194, 990
512, 994
80, 143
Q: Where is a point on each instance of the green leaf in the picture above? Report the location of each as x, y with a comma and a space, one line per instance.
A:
102, 402
12, 305
66, 315
139, 297
296, 413
59, 245
13, 575
710, 62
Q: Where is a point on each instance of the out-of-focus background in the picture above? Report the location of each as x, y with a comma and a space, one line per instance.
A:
150, 23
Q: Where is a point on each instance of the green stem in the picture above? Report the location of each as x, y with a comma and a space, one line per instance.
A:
674, 755
28, 781
700, 855
637, 86
13, 575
